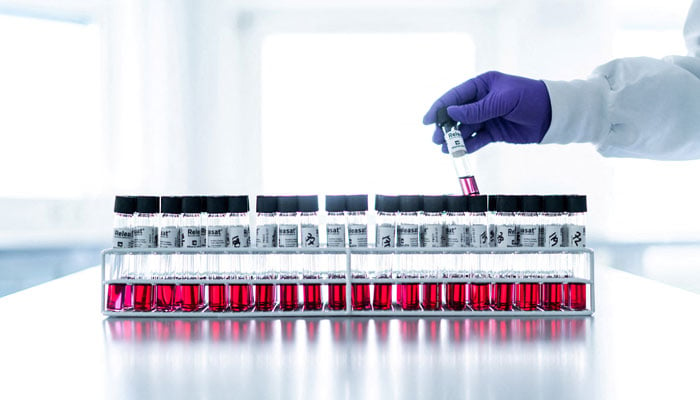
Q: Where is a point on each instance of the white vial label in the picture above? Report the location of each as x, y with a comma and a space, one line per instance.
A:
529, 235
288, 235
145, 236
457, 235
191, 236
576, 235
478, 236
266, 235
123, 238
169, 237
455, 143
238, 236
335, 235
309, 236
432, 235
216, 236
553, 236
506, 236
407, 235
492, 236
357, 235
385, 236
203, 236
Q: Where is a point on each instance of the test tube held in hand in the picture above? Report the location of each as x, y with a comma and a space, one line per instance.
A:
458, 151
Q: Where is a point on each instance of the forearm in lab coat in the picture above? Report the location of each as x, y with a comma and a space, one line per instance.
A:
635, 107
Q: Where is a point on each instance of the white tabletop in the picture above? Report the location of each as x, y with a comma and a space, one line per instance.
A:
641, 343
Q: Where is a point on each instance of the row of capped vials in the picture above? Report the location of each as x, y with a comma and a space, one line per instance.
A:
401, 221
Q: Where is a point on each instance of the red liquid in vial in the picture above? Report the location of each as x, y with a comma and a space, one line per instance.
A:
217, 298
312, 297
551, 296
128, 297
241, 297
577, 296
165, 297
456, 296
503, 296
360, 296
289, 297
527, 296
468, 185
115, 297
399, 293
479, 296
382, 296
411, 296
191, 297
178, 297
432, 296
143, 297
336, 296
264, 297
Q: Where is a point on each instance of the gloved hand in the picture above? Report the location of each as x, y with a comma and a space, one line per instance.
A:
495, 107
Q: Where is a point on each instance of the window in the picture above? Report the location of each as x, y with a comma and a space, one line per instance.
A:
51, 106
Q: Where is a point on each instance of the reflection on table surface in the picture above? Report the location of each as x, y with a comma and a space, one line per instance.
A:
351, 357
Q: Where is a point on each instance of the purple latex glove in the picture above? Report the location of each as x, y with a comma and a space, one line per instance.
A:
495, 107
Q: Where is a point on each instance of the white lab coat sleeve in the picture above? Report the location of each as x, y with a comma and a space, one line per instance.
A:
635, 107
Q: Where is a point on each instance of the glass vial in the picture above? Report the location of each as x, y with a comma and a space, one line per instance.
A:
527, 294
356, 217
575, 297
217, 223
458, 151
432, 234
288, 237
308, 228
145, 237
385, 237
119, 294
553, 220
189, 296
169, 237
408, 235
335, 237
265, 236
506, 231
457, 234
477, 207
240, 295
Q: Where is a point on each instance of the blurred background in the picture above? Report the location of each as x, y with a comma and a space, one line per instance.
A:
99, 98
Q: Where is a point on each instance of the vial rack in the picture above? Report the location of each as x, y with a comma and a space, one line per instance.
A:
580, 261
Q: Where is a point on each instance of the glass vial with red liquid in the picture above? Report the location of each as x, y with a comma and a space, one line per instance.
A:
408, 235
458, 151
119, 295
527, 294
288, 236
575, 297
146, 221
169, 236
356, 218
190, 296
266, 231
217, 222
308, 228
335, 238
505, 228
240, 295
479, 293
553, 219
432, 235
385, 237
457, 234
